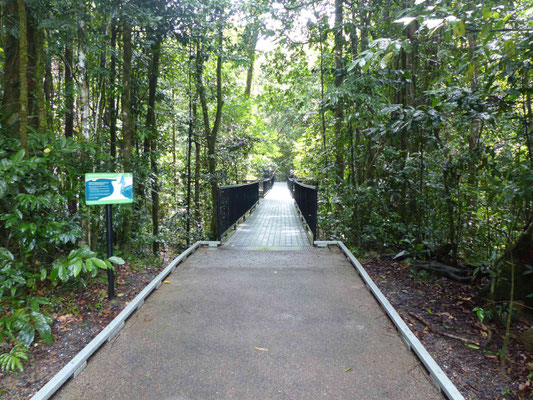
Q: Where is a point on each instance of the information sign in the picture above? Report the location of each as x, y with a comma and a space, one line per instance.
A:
108, 188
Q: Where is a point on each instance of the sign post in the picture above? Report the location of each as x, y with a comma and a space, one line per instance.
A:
110, 273
108, 189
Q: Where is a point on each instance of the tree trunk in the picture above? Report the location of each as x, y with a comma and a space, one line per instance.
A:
339, 107
69, 90
475, 125
40, 71
211, 134
197, 165
10, 100
84, 83
254, 36
127, 116
111, 101
49, 90
153, 137
23, 70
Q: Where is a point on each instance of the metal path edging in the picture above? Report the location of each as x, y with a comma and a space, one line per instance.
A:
78, 363
437, 375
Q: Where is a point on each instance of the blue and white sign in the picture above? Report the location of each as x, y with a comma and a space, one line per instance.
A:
109, 188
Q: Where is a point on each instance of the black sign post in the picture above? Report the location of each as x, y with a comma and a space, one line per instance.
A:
107, 189
110, 272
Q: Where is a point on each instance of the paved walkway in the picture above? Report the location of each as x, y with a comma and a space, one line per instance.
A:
274, 225
259, 325
256, 325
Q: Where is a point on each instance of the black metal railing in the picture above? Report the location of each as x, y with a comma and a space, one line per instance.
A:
290, 184
266, 185
306, 198
233, 202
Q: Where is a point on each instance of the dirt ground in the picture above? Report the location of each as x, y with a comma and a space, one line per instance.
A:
78, 318
439, 312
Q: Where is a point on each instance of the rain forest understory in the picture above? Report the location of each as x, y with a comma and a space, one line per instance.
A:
413, 118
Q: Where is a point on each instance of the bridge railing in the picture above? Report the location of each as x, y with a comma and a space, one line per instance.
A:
306, 198
233, 202
266, 185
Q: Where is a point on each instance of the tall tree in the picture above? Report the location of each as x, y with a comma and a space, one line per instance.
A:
339, 72
23, 71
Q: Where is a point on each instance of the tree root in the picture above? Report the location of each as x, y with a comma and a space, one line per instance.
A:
445, 270
445, 334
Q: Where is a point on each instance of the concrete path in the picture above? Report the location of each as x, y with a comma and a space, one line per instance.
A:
256, 325
274, 225
249, 324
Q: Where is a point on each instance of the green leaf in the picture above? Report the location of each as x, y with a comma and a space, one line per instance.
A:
26, 334
459, 29
116, 260
5, 254
62, 273
43, 274
18, 156
44, 331
76, 267
99, 263
89, 265
472, 346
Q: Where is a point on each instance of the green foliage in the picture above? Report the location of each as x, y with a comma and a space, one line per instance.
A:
80, 262
12, 360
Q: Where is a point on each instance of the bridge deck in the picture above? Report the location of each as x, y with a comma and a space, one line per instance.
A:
274, 225
251, 324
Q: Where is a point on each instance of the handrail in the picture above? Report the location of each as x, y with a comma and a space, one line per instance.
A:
234, 201
266, 185
306, 198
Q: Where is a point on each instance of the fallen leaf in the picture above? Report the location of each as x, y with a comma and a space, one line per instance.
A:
472, 346
166, 281
347, 369
120, 294
261, 349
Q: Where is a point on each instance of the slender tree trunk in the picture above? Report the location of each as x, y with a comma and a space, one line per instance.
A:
111, 100
127, 116
23, 79
100, 100
84, 83
152, 129
10, 100
49, 91
31, 70
189, 153
475, 125
197, 165
339, 107
322, 103
211, 134
254, 36
69, 90
40, 71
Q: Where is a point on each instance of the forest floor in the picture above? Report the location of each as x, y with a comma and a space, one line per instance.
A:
78, 316
440, 313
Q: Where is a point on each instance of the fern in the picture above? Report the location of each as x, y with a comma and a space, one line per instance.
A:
13, 359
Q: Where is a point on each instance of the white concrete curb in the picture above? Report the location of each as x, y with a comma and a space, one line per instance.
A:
437, 375
76, 365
